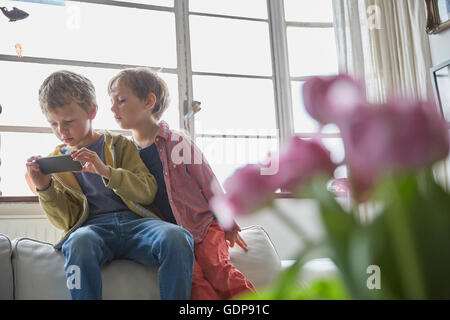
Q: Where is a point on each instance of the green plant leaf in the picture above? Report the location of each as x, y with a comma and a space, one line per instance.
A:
340, 227
410, 238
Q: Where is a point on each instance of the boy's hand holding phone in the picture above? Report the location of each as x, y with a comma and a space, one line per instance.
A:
40, 180
92, 161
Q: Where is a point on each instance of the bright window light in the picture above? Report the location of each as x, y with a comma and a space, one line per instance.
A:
230, 46
162, 3
90, 32
21, 106
247, 8
308, 11
230, 104
312, 51
15, 149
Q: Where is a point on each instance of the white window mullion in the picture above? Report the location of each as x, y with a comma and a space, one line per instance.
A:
280, 67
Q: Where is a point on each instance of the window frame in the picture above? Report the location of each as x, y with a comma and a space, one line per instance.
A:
280, 77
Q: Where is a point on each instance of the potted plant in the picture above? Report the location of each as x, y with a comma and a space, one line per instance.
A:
390, 148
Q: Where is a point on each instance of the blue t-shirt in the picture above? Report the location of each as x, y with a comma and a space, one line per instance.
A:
101, 199
150, 157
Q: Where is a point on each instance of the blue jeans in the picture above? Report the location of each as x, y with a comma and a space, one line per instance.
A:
126, 235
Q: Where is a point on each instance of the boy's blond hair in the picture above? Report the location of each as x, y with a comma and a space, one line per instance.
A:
62, 87
143, 81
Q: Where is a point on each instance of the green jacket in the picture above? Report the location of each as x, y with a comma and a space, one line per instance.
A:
67, 207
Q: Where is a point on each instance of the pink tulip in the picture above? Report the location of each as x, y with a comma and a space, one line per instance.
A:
422, 137
401, 134
329, 98
299, 161
246, 191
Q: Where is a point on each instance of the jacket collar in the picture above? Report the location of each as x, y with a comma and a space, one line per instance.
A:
108, 142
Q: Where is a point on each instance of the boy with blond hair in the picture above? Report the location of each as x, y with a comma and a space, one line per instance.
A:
102, 209
139, 98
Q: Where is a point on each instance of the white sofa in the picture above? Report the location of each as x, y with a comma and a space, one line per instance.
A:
30, 269
6, 271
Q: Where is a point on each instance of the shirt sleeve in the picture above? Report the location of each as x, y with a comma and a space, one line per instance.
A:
202, 173
61, 207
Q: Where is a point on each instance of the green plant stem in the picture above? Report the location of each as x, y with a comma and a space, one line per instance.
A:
404, 245
356, 211
288, 278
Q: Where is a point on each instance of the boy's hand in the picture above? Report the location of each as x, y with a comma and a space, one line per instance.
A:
92, 161
40, 180
232, 237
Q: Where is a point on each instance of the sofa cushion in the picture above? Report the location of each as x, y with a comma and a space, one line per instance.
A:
39, 270
6, 272
39, 274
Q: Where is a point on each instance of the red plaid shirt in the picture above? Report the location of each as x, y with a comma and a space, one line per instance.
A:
188, 177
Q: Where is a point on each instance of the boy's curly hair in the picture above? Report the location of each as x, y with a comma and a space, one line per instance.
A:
62, 87
143, 81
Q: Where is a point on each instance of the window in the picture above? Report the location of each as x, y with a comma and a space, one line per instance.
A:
83, 37
16, 148
312, 52
221, 53
304, 11
237, 8
309, 51
164, 3
232, 78
93, 33
230, 46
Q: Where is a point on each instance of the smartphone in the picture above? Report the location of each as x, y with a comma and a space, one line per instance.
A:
59, 163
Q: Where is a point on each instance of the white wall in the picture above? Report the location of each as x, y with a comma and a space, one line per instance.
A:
27, 220
440, 46
440, 52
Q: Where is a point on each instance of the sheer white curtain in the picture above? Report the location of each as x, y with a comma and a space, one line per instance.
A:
384, 42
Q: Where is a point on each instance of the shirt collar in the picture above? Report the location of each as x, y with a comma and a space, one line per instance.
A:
163, 131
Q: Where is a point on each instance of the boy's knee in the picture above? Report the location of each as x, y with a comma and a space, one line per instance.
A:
80, 242
180, 236
178, 239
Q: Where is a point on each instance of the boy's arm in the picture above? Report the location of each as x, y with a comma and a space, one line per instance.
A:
200, 170
63, 209
61, 206
131, 179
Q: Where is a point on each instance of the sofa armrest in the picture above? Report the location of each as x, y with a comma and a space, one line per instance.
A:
261, 263
6, 271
